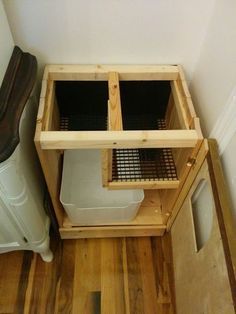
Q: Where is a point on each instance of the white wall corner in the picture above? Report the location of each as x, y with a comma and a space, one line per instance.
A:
225, 126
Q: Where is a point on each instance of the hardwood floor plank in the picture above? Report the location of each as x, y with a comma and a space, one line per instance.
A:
90, 276
29, 290
134, 277
87, 278
161, 272
10, 271
126, 276
64, 295
147, 275
45, 284
112, 286
21, 303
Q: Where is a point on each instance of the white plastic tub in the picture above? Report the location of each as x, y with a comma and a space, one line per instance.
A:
83, 197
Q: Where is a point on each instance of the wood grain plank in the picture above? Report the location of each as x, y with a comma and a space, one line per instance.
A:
163, 268
112, 232
134, 277
87, 276
90, 276
29, 290
112, 283
179, 104
126, 276
9, 277
175, 201
142, 184
106, 166
52, 140
100, 72
44, 288
114, 104
25, 282
64, 298
147, 275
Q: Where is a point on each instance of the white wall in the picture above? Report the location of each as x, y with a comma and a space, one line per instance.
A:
215, 73
215, 78
6, 42
111, 31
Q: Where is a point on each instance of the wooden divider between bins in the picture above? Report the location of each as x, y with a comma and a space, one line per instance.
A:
114, 124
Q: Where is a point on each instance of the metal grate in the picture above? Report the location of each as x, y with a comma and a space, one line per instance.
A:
143, 165
90, 123
130, 164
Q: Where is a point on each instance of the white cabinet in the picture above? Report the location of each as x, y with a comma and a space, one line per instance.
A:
24, 224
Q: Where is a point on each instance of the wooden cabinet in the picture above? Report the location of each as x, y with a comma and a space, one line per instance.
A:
143, 121
116, 110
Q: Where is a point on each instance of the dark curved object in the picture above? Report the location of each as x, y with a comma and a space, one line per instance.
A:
15, 90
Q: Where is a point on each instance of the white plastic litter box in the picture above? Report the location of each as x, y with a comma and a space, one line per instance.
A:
83, 197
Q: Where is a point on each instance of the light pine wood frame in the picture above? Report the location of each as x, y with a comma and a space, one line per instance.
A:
184, 133
115, 137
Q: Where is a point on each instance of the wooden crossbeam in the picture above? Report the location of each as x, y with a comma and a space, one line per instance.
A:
100, 72
117, 139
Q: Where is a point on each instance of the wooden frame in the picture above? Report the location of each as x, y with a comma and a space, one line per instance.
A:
183, 134
117, 139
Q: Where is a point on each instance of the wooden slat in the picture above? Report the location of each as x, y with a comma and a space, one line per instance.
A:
184, 159
182, 156
44, 86
30, 284
179, 104
9, 278
171, 116
106, 166
49, 106
45, 283
114, 124
111, 231
151, 184
100, 72
114, 104
174, 208
46, 72
87, 274
117, 139
164, 272
183, 87
112, 280
141, 278
64, 297
126, 276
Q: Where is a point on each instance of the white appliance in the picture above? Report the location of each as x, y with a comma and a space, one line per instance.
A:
24, 224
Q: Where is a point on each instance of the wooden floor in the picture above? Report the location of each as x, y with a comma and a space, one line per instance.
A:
123, 275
